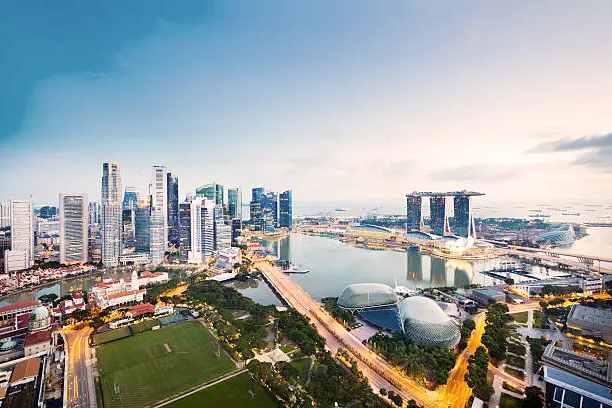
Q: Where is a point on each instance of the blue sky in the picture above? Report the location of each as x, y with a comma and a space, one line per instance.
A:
345, 100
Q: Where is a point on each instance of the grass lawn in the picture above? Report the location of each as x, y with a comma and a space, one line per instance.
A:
539, 320
506, 401
144, 326
520, 317
112, 335
232, 393
512, 388
515, 373
517, 349
303, 364
139, 370
515, 361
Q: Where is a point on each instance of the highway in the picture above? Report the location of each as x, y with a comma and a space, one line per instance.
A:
80, 390
378, 372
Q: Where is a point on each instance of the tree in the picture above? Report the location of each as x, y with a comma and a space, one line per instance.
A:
476, 377
543, 304
533, 397
383, 392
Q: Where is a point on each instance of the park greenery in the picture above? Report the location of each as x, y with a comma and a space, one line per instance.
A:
537, 346
467, 327
556, 290
496, 334
331, 305
418, 362
476, 377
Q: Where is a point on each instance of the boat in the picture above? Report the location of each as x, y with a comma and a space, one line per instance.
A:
341, 209
294, 269
571, 214
538, 215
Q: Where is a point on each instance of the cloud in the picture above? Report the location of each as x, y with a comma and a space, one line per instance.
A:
596, 150
476, 173
568, 145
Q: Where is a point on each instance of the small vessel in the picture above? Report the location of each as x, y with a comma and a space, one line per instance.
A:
341, 209
538, 215
571, 214
294, 269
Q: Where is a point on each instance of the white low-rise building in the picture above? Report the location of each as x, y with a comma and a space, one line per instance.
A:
228, 257
120, 298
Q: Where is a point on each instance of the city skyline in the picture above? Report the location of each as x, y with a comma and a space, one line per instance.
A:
497, 98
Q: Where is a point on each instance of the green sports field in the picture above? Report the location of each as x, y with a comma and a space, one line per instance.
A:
145, 368
232, 393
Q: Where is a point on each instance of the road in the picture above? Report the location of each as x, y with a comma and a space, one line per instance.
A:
80, 390
375, 369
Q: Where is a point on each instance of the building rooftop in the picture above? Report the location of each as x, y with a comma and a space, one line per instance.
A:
141, 309
443, 193
26, 369
18, 306
43, 336
591, 315
124, 294
488, 292
569, 380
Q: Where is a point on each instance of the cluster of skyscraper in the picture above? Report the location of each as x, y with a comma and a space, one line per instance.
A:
270, 210
463, 220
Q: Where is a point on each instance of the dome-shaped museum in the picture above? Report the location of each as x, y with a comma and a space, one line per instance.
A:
366, 295
426, 324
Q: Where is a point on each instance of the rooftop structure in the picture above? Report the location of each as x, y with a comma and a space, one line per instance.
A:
426, 324
366, 295
564, 235
487, 296
461, 193
591, 321
25, 371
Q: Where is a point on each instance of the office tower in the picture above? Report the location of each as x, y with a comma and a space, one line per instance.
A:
212, 191
21, 254
256, 207
142, 225
130, 197
414, 212
111, 214
184, 218
218, 219
48, 211
439, 220
223, 236
285, 205
5, 215
269, 209
94, 213
207, 227
219, 196
73, 217
195, 254
464, 218
173, 210
159, 214
128, 227
234, 200
236, 230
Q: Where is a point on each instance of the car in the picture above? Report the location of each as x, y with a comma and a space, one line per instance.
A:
449, 405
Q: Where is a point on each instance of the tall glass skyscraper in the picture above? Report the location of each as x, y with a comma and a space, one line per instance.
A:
94, 213
111, 214
130, 197
463, 216
73, 211
285, 204
173, 210
185, 230
414, 206
142, 224
269, 211
236, 230
21, 254
257, 208
437, 210
212, 191
234, 200
207, 227
159, 214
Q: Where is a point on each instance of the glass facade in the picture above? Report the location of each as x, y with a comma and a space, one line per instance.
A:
173, 210
256, 208
142, 225
236, 230
286, 210
234, 201
185, 230
437, 211
269, 211
366, 295
426, 324
414, 213
462, 219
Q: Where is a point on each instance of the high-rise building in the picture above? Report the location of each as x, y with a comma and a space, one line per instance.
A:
256, 208
5, 215
212, 191
223, 236
94, 213
173, 210
128, 228
207, 227
437, 213
234, 200
285, 205
195, 254
21, 254
73, 217
142, 226
48, 211
269, 211
414, 207
463, 218
159, 214
111, 214
219, 196
236, 230
184, 217
130, 197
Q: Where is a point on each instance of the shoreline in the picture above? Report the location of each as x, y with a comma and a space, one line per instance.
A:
48, 284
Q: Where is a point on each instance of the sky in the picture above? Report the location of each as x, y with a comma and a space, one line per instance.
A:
345, 100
